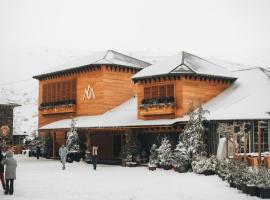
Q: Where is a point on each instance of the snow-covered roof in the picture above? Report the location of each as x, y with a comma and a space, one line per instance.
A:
7, 102
124, 115
248, 98
184, 63
108, 57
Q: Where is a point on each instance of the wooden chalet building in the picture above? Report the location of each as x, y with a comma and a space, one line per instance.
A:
114, 97
6, 120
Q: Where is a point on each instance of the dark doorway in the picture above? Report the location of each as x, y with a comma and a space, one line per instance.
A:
116, 146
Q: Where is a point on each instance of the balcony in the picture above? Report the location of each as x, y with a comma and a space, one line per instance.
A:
68, 106
161, 106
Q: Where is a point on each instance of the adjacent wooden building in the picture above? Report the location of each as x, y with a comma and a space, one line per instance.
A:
6, 120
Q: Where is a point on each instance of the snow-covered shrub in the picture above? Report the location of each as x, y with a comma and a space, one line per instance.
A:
165, 153
262, 178
202, 164
222, 168
73, 141
153, 158
181, 160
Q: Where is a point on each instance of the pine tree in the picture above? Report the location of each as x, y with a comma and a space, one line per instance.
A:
194, 133
73, 142
181, 159
153, 158
165, 153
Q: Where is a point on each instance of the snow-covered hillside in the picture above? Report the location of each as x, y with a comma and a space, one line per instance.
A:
24, 93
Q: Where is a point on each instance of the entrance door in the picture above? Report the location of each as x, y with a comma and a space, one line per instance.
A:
116, 146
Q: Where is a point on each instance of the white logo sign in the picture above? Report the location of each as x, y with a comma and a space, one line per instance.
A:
89, 93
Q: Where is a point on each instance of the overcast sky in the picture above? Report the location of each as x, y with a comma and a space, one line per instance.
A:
36, 35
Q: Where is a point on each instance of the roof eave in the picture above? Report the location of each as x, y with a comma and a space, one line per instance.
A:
74, 69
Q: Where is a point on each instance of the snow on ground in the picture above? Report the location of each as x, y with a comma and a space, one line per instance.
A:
43, 179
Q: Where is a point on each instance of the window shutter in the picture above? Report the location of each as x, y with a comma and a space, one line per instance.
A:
147, 93
154, 91
162, 91
170, 90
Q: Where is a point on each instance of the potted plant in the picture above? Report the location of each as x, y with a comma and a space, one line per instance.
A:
129, 162
252, 189
263, 182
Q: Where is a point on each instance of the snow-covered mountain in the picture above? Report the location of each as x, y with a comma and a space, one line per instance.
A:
24, 93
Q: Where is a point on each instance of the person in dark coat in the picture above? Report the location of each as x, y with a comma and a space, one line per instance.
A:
94, 156
10, 173
38, 152
2, 170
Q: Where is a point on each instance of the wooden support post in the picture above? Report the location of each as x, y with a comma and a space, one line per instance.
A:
259, 142
245, 146
227, 145
54, 145
234, 146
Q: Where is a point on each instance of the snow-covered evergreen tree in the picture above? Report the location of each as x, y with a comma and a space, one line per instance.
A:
181, 159
194, 133
73, 142
165, 153
153, 158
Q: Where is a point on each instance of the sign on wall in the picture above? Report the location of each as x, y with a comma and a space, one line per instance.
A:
4, 130
89, 93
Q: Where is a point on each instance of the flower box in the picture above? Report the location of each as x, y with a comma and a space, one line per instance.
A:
252, 161
59, 109
265, 193
131, 164
267, 161
252, 190
157, 110
152, 167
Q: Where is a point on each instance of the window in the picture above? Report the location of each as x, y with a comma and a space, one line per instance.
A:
59, 91
159, 91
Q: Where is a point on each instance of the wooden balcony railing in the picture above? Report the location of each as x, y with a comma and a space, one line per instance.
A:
157, 110
58, 109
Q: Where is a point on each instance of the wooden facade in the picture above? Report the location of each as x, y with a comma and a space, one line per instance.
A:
93, 90
186, 91
107, 86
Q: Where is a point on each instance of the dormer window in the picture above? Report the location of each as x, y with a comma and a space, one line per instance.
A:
158, 99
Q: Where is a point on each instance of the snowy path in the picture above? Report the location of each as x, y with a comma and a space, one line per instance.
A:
43, 179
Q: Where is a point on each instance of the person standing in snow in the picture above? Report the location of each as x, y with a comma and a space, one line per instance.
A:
10, 173
63, 152
2, 170
38, 152
94, 156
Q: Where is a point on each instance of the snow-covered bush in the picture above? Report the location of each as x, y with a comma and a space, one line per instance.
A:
181, 160
222, 168
165, 153
73, 141
262, 178
202, 164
